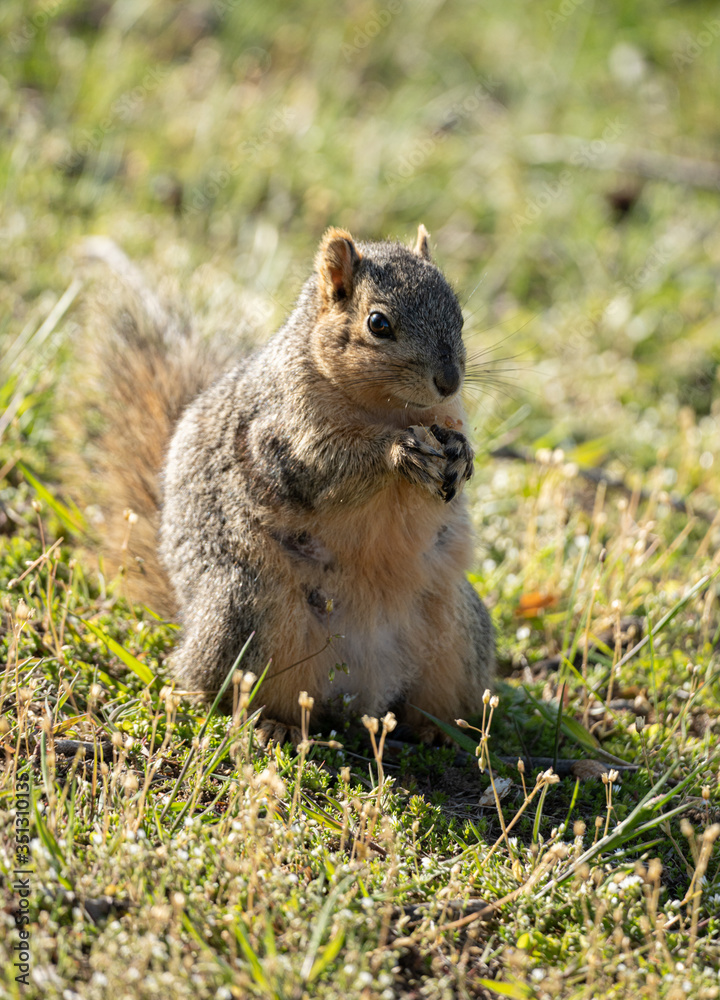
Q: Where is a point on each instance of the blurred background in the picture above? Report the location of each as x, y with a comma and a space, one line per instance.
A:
562, 153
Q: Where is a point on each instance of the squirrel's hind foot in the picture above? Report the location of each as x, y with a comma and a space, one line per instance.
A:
270, 731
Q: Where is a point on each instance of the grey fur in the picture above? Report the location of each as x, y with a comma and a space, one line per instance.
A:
323, 422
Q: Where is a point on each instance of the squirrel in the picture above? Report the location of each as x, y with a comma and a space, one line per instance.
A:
309, 495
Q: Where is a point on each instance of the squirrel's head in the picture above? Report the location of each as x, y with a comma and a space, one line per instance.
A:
389, 328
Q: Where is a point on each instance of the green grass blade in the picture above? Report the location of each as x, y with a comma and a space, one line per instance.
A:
73, 521
253, 961
666, 619
206, 723
516, 991
461, 738
140, 669
327, 956
322, 922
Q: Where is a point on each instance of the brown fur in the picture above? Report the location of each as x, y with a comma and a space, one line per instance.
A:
313, 494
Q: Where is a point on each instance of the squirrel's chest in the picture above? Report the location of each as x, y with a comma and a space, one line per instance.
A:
372, 561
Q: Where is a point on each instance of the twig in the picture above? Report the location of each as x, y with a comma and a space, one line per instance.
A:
649, 163
595, 475
34, 565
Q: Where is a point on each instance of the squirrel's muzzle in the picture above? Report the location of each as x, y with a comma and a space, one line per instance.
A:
447, 379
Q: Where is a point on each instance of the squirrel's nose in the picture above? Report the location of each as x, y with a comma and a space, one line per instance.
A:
447, 380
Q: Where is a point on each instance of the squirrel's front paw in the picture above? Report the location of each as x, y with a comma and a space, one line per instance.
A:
459, 459
418, 459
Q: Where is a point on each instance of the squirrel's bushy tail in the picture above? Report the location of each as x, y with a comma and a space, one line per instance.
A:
141, 363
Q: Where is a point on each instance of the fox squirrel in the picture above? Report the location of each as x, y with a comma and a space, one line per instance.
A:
311, 494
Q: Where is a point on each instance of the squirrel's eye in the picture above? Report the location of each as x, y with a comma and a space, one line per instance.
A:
379, 325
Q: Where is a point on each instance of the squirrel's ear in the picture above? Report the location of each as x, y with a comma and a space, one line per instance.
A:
336, 261
422, 244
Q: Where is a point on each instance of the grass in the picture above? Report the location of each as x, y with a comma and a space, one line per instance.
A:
215, 142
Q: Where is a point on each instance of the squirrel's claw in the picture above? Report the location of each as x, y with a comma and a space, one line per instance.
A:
418, 460
439, 459
459, 458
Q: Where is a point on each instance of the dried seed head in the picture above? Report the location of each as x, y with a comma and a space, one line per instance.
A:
23, 612
598, 821
36, 506
549, 777
521, 765
686, 828
272, 781
462, 724
334, 745
345, 774
579, 828
370, 723
494, 701
639, 723
706, 792
247, 682
613, 776
712, 833
654, 870
389, 722
305, 701
130, 784
486, 696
